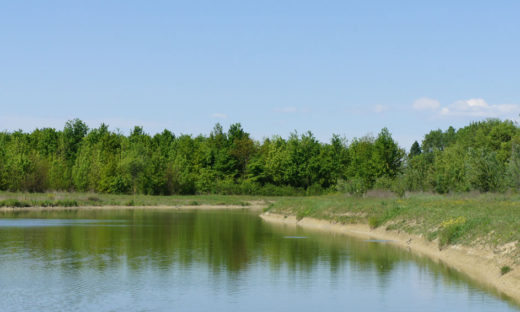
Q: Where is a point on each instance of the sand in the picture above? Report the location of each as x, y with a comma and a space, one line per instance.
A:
480, 264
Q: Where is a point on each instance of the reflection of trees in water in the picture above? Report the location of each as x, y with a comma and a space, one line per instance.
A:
225, 241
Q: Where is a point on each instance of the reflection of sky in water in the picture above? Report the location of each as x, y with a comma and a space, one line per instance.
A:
215, 261
377, 241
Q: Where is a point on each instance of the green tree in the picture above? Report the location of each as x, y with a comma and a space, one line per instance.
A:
387, 156
415, 150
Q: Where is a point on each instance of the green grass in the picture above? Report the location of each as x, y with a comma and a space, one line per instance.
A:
488, 219
64, 199
505, 269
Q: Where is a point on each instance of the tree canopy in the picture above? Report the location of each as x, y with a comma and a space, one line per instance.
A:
482, 156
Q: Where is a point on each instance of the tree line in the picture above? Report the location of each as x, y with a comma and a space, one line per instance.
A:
483, 156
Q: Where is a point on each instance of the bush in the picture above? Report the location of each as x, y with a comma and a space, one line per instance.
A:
314, 189
355, 186
374, 222
383, 183
13, 203
282, 190
302, 213
399, 186
268, 208
43, 203
485, 172
94, 199
66, 203
505, 269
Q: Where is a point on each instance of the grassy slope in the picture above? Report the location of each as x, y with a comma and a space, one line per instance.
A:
471, 219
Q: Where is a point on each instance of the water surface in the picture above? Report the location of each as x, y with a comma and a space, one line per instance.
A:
157, 260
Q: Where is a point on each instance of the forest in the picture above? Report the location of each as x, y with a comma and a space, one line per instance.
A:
483, 156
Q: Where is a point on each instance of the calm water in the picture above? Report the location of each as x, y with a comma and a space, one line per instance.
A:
135, 260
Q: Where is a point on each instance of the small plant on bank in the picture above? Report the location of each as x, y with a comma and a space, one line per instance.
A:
268, 208
505, 269
304, 213
66, 203
451, 229
14, 203
388, 214
374, 222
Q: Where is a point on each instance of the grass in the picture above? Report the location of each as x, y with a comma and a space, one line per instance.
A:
64, 199
505, 269
485, 219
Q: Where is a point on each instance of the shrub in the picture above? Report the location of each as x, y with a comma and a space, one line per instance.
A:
374, 222
452, 229
94, 199
66, 203
383, 183
268, 208
302, 213
355, 186
314, 189
399, 186
505, 269
43, 203
13, 203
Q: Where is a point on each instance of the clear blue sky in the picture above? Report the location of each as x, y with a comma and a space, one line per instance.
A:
342, 67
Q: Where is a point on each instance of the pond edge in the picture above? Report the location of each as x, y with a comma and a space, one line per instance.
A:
480, 265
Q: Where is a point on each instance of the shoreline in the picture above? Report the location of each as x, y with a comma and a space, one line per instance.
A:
480, 265
253, 207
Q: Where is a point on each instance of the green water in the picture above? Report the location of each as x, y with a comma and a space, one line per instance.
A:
158, 260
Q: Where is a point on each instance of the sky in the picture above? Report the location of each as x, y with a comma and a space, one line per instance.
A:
330, 67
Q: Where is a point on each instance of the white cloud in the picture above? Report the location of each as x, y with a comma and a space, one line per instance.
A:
425, 103
219, 116
445, 111
475, 107
380, 108
480, 108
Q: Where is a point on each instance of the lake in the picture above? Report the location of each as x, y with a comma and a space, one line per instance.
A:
202, 260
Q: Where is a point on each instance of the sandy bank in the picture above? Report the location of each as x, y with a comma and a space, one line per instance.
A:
480, 264
253, 206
